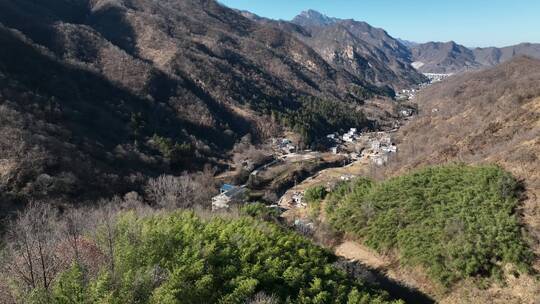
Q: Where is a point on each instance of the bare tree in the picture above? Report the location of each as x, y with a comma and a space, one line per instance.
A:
32, 239
105, 219
73, 226
262, 298
183, 191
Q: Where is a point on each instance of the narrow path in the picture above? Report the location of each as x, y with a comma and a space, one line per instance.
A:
355, 251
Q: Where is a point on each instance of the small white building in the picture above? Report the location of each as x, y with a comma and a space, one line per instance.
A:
348, 137
375, 145
406, 112
225, 199
290, 148
298, 199
379, 160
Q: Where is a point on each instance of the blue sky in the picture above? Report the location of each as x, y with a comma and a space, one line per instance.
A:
469, 22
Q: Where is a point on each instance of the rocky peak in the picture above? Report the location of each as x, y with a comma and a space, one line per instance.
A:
313, 18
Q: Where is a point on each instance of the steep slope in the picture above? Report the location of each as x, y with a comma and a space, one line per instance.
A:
107, 92
492, 116
359, 48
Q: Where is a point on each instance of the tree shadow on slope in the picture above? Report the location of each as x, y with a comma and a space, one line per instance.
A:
86, 118
377, 278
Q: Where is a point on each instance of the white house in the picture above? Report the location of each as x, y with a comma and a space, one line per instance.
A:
348, 137
231, 195
298, 198
375, 145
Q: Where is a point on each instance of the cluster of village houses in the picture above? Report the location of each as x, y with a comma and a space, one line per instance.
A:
377, 146
436, 77
407, 94
410, 94
284, 145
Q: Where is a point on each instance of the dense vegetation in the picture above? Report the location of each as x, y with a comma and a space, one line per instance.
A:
456, 221
144, 256
315, 194
316, 118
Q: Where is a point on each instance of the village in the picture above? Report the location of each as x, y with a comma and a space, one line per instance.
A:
410, 94
350, 147
346, 149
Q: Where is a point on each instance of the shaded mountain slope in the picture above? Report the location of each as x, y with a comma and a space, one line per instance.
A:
108, 92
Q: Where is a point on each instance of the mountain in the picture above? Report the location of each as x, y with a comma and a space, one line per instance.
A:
490, 116
450, 57
492, 56
97, 95
367, 52
311, 18
439, 57
407, 43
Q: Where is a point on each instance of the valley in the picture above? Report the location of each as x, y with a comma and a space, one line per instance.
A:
200, 151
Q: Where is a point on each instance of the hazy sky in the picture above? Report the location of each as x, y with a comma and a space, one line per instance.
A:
468, 22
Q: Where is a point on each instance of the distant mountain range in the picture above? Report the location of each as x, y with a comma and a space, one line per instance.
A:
356, 47
450, 57
374, 55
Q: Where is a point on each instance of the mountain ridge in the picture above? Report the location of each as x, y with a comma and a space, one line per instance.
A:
360, 49
136, 88
427, 57
451, 57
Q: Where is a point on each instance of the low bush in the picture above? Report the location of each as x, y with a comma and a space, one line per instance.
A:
181, 257
457, 221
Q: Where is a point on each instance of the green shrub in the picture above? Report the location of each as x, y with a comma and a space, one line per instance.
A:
172, 151
260, 210
315, 194
182, 258
457, 221
315, 118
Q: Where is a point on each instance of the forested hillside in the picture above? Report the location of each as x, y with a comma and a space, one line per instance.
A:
144, 256
454, 221
97, 96
491, 116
